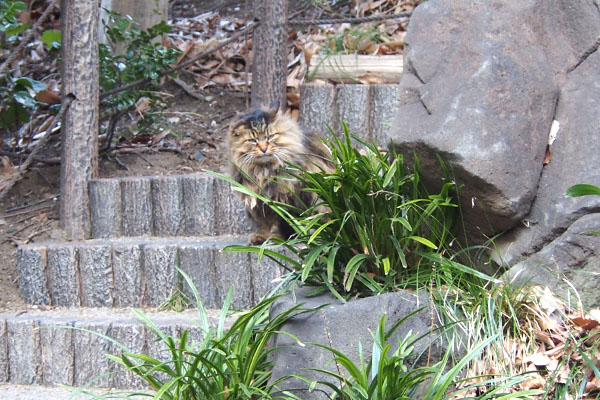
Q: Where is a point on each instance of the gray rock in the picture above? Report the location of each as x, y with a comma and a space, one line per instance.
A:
343, 327
484, 103
33, 284
137, 206
105, 207
575, 155
572, 256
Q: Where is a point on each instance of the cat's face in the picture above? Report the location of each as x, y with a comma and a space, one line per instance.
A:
264, 137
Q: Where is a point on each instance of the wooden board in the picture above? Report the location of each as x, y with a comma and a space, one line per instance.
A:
352, 68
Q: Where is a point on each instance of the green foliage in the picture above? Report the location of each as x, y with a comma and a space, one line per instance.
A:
10, 26
225, 364
141, 58
18, 99
353, 41
389, 375
375, 229
583, 190
52, 39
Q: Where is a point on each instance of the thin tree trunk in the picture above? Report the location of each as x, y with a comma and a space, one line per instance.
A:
269, 65
79, 130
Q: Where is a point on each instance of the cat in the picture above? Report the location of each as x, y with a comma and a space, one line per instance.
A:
261, 143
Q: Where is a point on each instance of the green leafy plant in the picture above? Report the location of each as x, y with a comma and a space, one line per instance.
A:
10, 26
141, 58
132, 54
583, 190
375, 228
18, 100
228, 363
389, 375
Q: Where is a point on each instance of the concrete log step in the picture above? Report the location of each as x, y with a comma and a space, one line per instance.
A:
37, 392
141, 272
68, 346
172, 205
367, 109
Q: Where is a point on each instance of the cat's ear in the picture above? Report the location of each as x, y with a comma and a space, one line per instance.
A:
273, 109
234, 126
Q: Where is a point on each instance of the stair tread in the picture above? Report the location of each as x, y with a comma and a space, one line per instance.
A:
110, 314
37, 392
124, 240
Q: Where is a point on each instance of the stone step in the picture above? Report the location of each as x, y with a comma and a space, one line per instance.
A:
171, 205
141, 272
68, 346
36, 392
368, 110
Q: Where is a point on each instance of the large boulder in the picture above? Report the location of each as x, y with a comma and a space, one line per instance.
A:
485, 80
479, 91
347, 327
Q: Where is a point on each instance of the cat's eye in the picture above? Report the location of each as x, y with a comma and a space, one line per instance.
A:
271, 136
252, 140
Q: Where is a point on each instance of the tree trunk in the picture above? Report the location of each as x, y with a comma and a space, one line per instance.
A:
269, 65
79, 130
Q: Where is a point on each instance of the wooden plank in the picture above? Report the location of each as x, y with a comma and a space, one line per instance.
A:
353, 68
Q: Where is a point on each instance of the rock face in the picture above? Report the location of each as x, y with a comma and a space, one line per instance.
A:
484, 82
344, 327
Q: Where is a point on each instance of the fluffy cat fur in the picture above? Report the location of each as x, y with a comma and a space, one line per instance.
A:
261, 144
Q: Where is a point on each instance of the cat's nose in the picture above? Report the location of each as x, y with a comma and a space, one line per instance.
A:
262, 147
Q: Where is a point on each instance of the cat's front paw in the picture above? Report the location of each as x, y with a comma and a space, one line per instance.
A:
258, 238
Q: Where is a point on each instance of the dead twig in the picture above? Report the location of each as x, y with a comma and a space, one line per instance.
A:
21, 207
21, 212
110, 130
187, 88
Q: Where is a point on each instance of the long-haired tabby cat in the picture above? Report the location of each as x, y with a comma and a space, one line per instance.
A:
261, 144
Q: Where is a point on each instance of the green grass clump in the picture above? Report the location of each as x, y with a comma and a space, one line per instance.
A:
227, 363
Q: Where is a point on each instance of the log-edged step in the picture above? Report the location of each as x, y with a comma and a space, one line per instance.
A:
171, 205
68, 346
368, 110
141, 272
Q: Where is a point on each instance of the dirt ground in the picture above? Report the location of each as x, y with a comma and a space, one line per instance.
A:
29, 212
